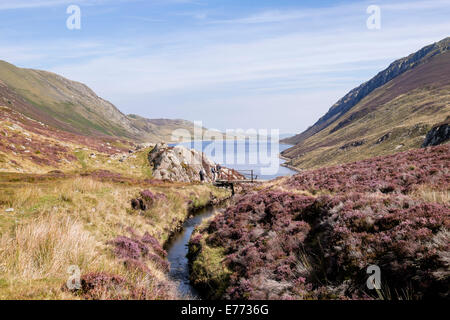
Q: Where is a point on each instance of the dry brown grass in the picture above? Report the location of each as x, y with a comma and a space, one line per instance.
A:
64, 222
429, 194
75, 158
36, 254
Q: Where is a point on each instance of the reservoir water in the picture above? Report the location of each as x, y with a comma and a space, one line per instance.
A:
263, 158
178, 247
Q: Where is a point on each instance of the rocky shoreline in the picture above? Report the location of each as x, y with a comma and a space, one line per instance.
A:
288, 165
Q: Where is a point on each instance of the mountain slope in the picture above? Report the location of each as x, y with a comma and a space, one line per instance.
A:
391, 112
72, 106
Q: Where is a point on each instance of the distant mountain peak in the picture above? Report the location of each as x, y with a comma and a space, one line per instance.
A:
394, 70
391, 112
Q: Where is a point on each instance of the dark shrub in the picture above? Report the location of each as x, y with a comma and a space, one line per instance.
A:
136, 252
128, 248
147, 200
148, 239
96, 286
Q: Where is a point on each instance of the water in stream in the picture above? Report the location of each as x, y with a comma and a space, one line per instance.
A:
178, 248
179, 267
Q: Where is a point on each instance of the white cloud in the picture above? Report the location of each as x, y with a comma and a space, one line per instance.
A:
266, 64
284, 57
27, 4
416, 5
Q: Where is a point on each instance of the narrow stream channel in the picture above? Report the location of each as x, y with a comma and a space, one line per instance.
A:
178, 249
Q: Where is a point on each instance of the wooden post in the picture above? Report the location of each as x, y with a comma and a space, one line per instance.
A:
252, 175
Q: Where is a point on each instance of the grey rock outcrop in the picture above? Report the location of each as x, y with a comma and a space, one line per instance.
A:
352, 144
179, 164
438, 135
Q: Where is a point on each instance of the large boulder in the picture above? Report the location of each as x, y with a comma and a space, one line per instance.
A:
179, 164
438, 135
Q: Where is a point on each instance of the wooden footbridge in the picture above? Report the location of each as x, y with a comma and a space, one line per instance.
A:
229, 181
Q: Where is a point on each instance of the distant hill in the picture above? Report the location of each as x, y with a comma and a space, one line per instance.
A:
392, 112
73, 107
285, 136
162, 129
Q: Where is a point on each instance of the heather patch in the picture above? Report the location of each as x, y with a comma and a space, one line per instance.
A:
104, 175
280, 245
154, 244
105, 286
398, 173
395, 233
101, 286
137, 251
147, 200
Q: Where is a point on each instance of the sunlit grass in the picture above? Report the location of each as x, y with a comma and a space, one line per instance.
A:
432, 195
70, 221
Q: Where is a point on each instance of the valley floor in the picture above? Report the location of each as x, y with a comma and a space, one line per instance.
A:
314, 235
310, 236
51, 222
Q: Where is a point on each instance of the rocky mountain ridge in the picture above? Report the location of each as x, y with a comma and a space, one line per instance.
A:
350, 100
397, 116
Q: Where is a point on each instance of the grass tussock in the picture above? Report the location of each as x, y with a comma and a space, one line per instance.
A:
429, 194
45, 247
72, 221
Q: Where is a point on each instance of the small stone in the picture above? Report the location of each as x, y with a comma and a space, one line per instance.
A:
9, 210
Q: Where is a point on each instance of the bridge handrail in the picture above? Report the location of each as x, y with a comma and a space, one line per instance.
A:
228, 176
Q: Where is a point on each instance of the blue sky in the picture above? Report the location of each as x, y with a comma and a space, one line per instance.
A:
263, 64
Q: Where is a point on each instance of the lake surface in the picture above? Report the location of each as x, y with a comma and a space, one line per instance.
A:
230, 155
261, 157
